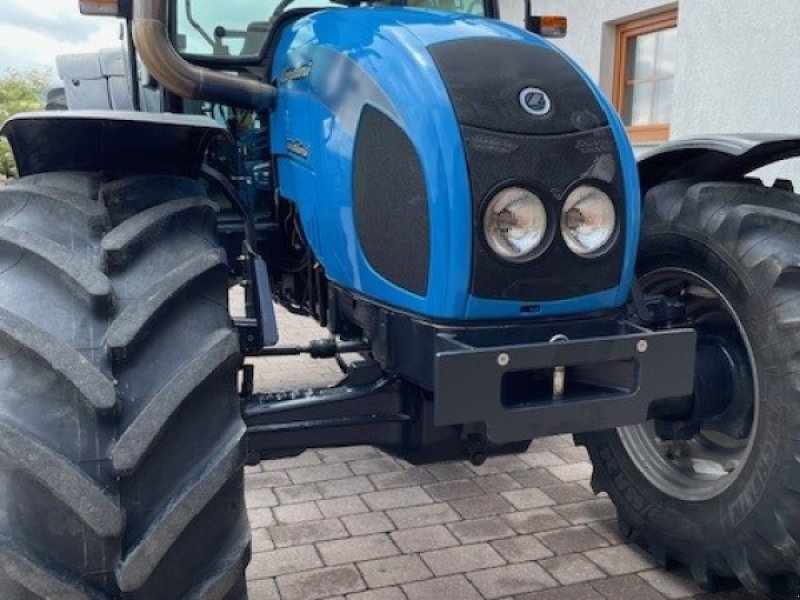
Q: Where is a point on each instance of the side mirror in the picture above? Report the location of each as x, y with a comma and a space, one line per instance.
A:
546, 25
106, 8
549, 26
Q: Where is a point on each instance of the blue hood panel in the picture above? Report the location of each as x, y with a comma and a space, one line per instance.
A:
331, 65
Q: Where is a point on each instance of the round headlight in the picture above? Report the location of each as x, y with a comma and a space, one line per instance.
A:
515, 224
588, 221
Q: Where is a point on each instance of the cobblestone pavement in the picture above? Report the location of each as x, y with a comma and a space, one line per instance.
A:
355, 523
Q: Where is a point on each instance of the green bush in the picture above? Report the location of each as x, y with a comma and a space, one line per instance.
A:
20, 91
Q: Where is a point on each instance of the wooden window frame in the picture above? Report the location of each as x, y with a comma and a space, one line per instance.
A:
625, 31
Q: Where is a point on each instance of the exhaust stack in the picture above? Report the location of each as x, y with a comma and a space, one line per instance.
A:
183, 78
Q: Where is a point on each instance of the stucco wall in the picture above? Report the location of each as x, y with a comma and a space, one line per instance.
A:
738, 70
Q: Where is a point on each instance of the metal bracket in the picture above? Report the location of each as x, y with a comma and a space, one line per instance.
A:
259, 329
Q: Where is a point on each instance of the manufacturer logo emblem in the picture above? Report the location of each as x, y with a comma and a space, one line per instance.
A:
298, 148
293, 74
535, 101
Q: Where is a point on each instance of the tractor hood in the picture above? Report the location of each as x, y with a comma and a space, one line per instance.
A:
392, 128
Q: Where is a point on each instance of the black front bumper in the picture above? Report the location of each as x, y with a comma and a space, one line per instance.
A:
508, 379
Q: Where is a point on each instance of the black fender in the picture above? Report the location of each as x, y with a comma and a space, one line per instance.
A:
110, 141
714, 157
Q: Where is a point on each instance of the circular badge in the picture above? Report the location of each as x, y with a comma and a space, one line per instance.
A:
535, 101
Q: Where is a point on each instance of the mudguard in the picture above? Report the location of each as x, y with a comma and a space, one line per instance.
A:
110, 141
714, 157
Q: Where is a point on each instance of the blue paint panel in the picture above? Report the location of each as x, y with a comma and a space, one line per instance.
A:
379, 56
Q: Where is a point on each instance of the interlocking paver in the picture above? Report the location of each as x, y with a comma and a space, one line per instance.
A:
671, 585
331, 455
339, 507
581, 591
608, 530
550, 442
534, 521
500, 464
574, 539
261, 540
281, 464
480, 530
284, 560
521, 548
528, 498
263, 589
452, 490
461, 559
627, 586
567, 493
621, 560
572, 453
387, 593
404, 478
345, 487
537, 477
261, 517
450, 471
454, 586
412, 541
420, 516
268, 479
571, 568
542, 459
373, 466
320, 583
511, 579
481, 506
394, 571
292, 494
319, 473
396, 498
497, 482
297, 513
338, 552
598, 509
571, 472
308, 532
366, 523
453, 515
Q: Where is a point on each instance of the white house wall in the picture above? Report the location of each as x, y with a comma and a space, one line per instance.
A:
738, 66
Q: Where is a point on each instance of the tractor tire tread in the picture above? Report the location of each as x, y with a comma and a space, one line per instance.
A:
131, 324
757, 229
120, 243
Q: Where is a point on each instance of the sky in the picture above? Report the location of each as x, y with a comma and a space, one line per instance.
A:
34, 32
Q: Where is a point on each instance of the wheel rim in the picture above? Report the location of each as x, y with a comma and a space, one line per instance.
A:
706, 465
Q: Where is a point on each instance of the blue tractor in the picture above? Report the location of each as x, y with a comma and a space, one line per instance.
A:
458, 203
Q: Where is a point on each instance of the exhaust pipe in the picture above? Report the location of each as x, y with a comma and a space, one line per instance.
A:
183, 78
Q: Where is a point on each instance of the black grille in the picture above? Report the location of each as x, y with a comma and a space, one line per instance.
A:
506, 145
390, 202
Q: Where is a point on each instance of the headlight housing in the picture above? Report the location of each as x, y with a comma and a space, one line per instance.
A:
588, 221
515, 224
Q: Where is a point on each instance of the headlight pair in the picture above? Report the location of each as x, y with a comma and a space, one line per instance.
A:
516, 224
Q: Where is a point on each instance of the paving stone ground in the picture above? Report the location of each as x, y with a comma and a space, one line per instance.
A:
355, 523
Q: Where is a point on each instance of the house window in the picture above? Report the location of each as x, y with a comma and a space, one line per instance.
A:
643, 74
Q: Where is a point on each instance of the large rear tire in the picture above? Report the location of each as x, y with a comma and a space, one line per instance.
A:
121, 442
735, 249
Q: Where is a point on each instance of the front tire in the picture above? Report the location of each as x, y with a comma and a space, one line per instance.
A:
121, 442
738, 244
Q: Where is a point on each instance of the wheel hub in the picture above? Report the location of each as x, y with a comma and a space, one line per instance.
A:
694, 447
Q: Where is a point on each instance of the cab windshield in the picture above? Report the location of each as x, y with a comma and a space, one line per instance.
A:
238, 28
